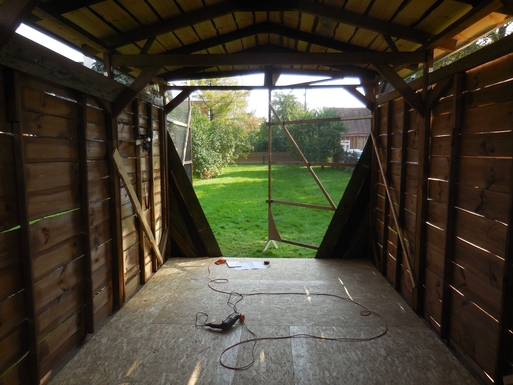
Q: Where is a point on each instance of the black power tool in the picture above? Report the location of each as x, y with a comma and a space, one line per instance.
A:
227, 323
233, 300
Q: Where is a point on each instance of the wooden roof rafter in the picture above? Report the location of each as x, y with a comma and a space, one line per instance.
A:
232, 6
270, 28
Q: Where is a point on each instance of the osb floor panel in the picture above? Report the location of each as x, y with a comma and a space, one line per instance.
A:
153, 338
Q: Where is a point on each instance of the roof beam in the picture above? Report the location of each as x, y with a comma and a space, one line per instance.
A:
179, 99
173, 76
362, 21
231, 6
261, 87
12, 12
175, 23
44, 11
133, 90
269, 59
414, 99
369, 103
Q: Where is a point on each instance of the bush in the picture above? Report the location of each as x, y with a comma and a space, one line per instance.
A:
216, 143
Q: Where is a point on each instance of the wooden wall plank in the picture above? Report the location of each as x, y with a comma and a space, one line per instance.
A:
100, 234
102, 277
40, 102
43, 203
59, 346
58, 283
13, 346
490, 204
479, 262
59, 309
101, 255
44, 176
54, 257
12, 312
98, 190
482, 232
50, 150
18, 374
474, 331
51, 231
489, 118
37, 123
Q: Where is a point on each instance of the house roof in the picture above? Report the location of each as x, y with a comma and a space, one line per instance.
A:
358, 126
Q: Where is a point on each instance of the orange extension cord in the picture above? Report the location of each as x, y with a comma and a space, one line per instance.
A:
365, 312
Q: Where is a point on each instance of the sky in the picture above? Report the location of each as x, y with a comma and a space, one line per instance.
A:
315, 98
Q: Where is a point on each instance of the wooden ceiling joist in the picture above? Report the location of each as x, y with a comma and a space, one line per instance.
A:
179, 99
414, 99
134, 89
269, 59
368, 102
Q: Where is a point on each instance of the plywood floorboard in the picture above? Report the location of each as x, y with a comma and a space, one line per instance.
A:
153, 340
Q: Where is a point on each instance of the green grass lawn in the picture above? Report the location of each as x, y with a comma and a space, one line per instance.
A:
235, 205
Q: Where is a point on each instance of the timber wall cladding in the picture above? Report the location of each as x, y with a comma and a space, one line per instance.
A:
58, 227
143, 166
14, 343
468, 200
65, 219
397, 134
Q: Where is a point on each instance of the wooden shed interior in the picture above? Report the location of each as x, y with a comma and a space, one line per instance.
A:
88, 214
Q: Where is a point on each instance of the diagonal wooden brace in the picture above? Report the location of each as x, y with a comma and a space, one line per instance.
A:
118, 163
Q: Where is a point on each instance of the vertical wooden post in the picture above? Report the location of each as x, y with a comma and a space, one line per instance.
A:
505, 340
388, 175
84, 203
107, 66
164, 174
139, 185
151, 178
457, 118
402, 186
14, 117
118, 277
376, 123
423, 172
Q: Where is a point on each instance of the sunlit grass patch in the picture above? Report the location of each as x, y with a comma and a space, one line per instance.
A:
235, 205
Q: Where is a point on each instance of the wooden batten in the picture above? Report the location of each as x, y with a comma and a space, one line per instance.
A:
139, 186
86, 223
457, 120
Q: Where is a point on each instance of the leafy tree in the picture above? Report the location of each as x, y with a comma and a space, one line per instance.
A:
319, 142
222, 135
222, 104
287, 107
